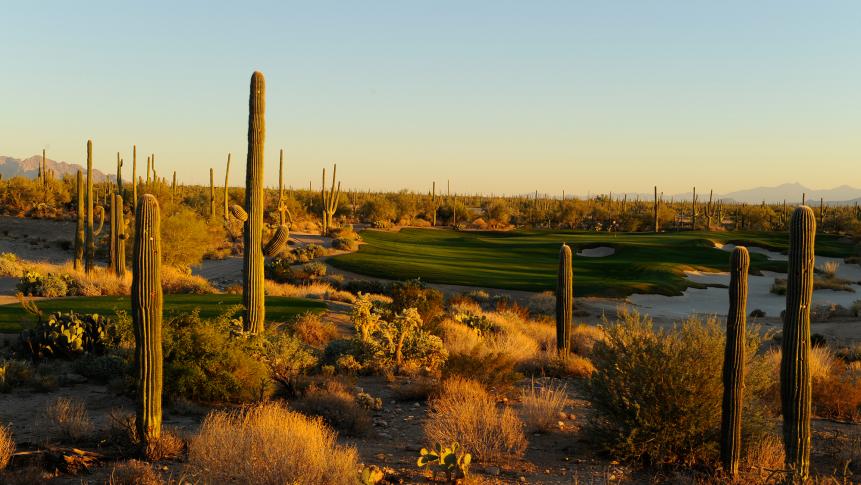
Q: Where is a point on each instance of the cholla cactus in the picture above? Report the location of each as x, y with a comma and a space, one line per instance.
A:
252, 213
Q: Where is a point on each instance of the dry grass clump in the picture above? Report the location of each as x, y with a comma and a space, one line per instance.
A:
466, 413
543, 303
270, 445
584, 337
552, 363
7, 446
311, 329
830, 268
765, 453
542, 405
175, 281
134, 472
68, 419
317, 290
169, 445
337, 406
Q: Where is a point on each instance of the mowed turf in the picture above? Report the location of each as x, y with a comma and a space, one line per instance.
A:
13, 318
527, 260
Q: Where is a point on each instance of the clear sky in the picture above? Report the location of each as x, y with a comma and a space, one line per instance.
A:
498, 96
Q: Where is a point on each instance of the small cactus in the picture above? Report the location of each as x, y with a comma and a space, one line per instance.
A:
733, 362
330, 200
795, 380
564, 299
147, 303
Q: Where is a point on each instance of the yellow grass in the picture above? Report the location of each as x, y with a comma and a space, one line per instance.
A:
542, 405
466, 413
7, 446
270, 445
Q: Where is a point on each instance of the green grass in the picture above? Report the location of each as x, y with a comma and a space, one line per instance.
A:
527, 260
13, 318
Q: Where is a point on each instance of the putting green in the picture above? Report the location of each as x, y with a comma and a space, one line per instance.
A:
527, 260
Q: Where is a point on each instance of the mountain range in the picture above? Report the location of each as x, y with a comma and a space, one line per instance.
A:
29, 168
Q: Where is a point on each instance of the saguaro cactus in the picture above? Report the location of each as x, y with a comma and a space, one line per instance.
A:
211, 193
733, 362
330, 200
795, 383
79, 227
252, 214
119, 174
118, 236
90, 236
657, 221
226, 188
146, 314
135, 178
564, 299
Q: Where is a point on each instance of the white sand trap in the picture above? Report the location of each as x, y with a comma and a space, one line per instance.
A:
851, 272
599, 252
716, 300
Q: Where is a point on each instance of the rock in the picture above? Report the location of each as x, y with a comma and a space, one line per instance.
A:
412, 447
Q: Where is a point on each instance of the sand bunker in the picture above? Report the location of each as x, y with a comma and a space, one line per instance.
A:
599, 252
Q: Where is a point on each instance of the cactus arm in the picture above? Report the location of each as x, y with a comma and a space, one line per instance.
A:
277, 241
238, 213
101, 210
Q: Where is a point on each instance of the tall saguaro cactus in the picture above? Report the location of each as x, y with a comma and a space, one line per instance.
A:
226, 189
211, 193
795, 381
147, 306
330, 200
657, 222
564, 299
135, 178
733, 362
119, 174
79, 227
252, 213
118, 236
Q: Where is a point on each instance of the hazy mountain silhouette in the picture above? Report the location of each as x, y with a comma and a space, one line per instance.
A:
29, 168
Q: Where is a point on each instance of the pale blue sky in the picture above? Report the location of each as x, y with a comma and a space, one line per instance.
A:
498, 96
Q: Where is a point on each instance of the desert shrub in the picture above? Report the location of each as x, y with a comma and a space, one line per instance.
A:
464, 412
134, 472
51, 285
7, 446
204, 362
176, 281
584, 337
550, 362
415, 294
830, 269
286, 356
542, 405
314, 269
311, 329
69, 335
10, 265
337, 407
345, 244
419, 389
378, 210
287, 448
14, 373
477, 322
493, 369
101, 368
399, 343
657, 394
365, 286
68, 419
186, 237
543, 303
837, 395
308, 252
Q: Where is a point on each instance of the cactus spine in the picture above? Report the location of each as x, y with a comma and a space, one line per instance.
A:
733, 362
79, 228
252, 214
564, 299
795, 383
146, 314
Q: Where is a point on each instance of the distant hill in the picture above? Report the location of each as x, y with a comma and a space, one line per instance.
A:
29, 168
793, 193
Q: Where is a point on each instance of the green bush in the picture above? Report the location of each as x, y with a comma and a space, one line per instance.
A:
51, 285
10, 265
314, 269
186, 238
102, 368
415, 294
68, 335
205, 361
345, 244
657, 394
